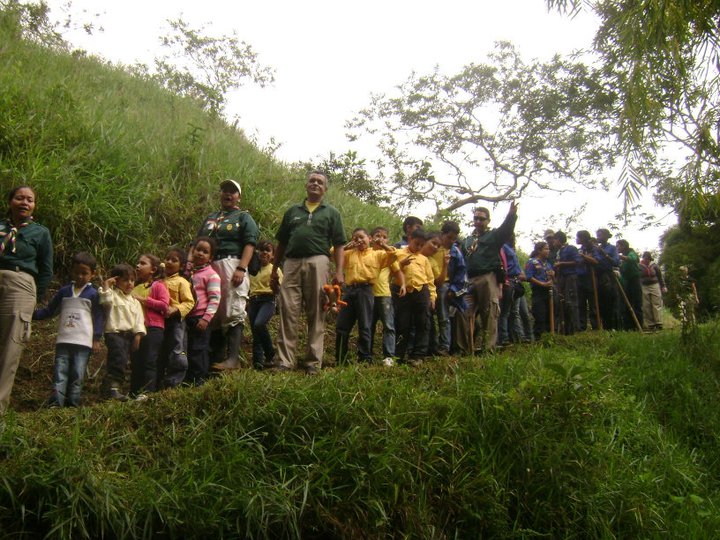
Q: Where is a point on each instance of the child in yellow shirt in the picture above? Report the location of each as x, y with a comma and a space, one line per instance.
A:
412, 308
439, 258
362, 269
261, 306
383, 310
173, 363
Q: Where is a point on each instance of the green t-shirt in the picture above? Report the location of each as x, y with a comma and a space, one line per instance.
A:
232, 230
482, 253
630, 267
307, 234
33, 253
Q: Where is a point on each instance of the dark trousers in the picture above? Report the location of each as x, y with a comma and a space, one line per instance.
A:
568, 299
360, 302
506, 305
119, 345
411, 314
541, 310
633, 291
144, 362
198, 345
607, 300
586, 302
261, 308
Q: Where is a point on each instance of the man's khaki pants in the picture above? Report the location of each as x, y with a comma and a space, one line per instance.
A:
302, 283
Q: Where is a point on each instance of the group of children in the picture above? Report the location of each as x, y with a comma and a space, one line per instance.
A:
398, 287
155, 316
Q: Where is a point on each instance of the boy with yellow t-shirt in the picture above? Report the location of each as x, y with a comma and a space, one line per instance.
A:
412, 308
362, 269
383, 309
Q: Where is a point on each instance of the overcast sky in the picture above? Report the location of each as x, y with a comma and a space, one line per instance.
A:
329, 56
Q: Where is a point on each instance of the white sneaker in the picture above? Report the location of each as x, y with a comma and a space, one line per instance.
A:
388, 362
142, 397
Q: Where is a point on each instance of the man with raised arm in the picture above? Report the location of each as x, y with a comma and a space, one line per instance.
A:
484, 272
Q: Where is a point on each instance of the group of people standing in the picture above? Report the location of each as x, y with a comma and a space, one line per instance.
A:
598, 284
173, 321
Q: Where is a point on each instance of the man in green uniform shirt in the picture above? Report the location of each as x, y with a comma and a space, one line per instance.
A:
306, 234
485, 277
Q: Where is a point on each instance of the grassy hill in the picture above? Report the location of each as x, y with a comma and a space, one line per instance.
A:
122, 166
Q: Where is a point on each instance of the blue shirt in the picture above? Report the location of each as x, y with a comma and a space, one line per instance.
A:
89, 293
584, 267
606, 264
513, 264
568, 253
535, 268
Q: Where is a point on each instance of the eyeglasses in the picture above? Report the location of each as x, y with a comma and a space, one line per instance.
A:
480, 218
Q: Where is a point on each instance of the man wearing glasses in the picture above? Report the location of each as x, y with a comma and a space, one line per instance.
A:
485, 278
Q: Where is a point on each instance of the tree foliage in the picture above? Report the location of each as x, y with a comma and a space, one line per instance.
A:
490, 132
30, 21
662, 60
698, 248
206, 67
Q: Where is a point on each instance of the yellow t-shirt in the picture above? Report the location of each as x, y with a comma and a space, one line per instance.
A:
418, 273
364, 266
260, 283
437, 261
180, 294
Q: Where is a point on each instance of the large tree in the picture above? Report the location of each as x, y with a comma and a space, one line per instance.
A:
491, 132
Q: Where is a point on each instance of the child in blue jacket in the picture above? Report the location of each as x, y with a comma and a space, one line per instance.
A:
79, 330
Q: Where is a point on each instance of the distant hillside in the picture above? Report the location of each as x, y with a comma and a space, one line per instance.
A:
123, 166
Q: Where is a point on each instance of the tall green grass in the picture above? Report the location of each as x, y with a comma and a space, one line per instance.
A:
561, 441
122, 166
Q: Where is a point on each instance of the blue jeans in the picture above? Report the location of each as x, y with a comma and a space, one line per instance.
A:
384, 312
70, 365
261, 308
443, 319
173, 362
526, 322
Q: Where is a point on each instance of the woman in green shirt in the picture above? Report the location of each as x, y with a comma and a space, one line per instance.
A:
26, 267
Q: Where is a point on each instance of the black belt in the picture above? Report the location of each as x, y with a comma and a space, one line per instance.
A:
358, 285
266, 296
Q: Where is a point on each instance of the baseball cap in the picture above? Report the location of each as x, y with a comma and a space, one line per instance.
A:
230, 185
